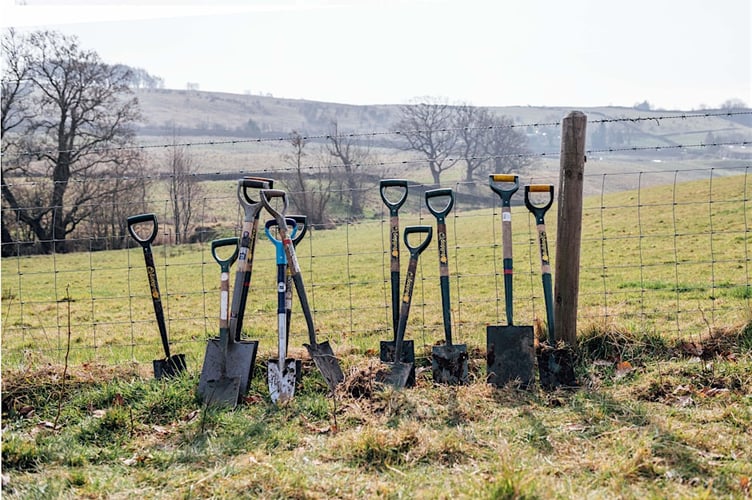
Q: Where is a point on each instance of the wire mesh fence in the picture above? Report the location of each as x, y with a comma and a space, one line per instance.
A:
665, 250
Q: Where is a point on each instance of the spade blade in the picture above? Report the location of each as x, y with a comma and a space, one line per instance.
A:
327, 363
449, 364
282, 380
224, 391
510, 355
386, 355
556, 367
169, 367
395, 374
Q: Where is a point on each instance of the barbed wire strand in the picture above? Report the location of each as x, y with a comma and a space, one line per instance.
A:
314, 137
309, 168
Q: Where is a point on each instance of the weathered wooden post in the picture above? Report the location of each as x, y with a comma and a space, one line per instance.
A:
569, 227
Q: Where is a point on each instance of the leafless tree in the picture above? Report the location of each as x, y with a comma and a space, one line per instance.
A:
505, 147
472, 125
309, 193
185, 188
426, 124
75, 130
15, 111
107, 225
344, 148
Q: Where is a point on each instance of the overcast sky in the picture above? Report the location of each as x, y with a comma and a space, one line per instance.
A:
676, 54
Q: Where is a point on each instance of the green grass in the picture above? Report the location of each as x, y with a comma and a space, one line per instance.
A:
668, 428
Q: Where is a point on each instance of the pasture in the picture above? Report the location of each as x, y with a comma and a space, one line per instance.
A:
665, 346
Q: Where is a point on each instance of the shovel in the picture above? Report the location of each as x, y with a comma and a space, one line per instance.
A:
510, 351
170, 365
322, 354
448, 361
251, 209
241, 354
387, 347
398, 372
554, 364
281, 372
214, 386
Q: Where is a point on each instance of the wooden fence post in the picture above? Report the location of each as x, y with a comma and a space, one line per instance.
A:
569, 227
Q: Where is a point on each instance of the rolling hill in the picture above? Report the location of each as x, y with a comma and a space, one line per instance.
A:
233, 132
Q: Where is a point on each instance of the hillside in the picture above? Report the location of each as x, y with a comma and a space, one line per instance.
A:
222, 127
215, 113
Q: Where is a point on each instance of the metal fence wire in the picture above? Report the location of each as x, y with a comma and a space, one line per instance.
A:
664, 251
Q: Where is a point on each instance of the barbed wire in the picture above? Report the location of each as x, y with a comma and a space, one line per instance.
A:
390, 163
353, 135
681, 116
674, 146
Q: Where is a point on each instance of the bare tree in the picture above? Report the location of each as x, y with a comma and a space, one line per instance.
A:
472, 125
76, 130
344, 148
506, 148
184, 188
309, 194
107, 224
426, 125
15, 112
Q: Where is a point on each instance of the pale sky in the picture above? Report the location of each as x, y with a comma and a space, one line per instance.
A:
676, 54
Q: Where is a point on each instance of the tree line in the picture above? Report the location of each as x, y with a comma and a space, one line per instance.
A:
446, 136
70, 164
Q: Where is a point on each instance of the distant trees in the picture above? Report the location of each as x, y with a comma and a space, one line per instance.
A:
448, 135
351, 155
139, 78
733, 104
309, 194
67, 124
184, 188
426, 125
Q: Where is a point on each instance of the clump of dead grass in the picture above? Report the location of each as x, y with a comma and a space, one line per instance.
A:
607, 341
360, 380
24, 387
724, 342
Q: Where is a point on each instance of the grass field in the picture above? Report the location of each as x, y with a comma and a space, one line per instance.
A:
663, 410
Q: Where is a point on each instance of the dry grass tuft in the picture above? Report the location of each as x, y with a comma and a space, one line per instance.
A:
725, 342
19, 385
360, 379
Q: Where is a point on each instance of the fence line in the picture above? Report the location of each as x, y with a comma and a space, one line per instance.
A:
313, 137
680, 279
405, 163
651, 262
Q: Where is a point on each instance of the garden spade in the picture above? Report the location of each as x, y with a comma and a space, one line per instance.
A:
398, 372
510, 351
281, 372
322, 354
394, 194
214, 386
554, 364
170, 365
251, 211
448, 361
241, 354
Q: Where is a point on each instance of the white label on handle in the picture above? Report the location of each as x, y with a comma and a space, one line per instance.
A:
224, 299
506, 216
